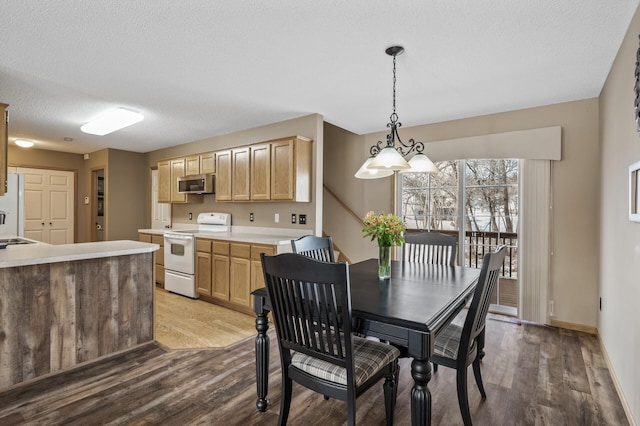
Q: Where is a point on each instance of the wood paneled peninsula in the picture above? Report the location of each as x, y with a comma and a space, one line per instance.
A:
63, 305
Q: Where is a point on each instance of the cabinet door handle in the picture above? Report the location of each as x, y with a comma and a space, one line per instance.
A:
42, 223
50, 224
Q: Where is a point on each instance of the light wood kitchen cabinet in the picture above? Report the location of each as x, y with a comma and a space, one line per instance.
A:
208, 163
164, 181
260, 172
220, 271
278, 170
192, 165
168, 173
159, 259
203, 266
223, 175
4, 140
228, 271
291, 169
177, 170
257, 276
158, 262
240, 171
240, 275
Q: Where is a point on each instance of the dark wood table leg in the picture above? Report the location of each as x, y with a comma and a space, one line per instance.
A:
420, 394
262, 360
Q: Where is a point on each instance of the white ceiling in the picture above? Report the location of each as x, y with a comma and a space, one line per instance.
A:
200, 68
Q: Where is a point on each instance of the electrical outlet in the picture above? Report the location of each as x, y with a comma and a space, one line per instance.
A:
552, 306
276, 218
190, 216
302, 219
293, 218
250, 217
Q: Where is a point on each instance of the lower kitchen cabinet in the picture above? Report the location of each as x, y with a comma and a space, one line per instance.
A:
227, 272
257, 276
158, 255
220, 271
203, 266
240, 275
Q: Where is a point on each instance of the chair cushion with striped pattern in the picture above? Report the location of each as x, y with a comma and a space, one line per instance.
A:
369, 357
448, 341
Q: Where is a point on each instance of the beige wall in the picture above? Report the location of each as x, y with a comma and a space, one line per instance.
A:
619, 247
575, 183
40, 158
125, 182
309, 126
125, 187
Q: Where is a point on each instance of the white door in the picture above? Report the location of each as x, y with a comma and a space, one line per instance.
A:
49, 199
160, 212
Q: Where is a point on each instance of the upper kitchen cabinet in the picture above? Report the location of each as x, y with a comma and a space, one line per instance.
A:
4, 139
261, 172
164, 181
241, 174
168, 173
192, 165
177, 170
291, 169
208, 163
277, 170
223, 175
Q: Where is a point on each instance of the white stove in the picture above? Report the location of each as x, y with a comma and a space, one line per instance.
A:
180, 253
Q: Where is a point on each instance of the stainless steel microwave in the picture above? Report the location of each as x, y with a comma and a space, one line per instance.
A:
196, 184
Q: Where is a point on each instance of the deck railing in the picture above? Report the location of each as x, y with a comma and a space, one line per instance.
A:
478, 243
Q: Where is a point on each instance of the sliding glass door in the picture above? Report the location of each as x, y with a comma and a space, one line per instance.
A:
479, 205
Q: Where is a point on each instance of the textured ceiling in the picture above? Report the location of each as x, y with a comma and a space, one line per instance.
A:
200, 68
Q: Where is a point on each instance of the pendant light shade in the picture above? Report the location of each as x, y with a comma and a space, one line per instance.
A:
420, 163
364, 172
389, 157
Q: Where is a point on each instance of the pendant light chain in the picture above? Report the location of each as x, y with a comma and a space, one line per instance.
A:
394, 116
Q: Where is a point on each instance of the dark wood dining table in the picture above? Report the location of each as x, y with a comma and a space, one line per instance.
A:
408, 310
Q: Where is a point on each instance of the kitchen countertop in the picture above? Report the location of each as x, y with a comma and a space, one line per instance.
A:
34, 254
243, 234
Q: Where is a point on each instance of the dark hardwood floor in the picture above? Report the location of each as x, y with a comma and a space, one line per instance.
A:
533, 375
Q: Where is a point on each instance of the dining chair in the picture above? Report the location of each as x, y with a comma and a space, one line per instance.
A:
319, 248
430, 247
458, 346
311, 307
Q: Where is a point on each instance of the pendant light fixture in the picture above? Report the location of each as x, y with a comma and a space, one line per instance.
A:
384, 160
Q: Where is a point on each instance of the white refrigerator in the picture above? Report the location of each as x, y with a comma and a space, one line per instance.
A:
12, 207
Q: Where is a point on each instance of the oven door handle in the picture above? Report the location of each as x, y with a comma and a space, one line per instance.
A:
178, 237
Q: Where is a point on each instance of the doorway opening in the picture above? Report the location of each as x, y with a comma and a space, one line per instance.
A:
98, 210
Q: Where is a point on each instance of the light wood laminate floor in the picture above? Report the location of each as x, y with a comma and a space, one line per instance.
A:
533, 375
184, 323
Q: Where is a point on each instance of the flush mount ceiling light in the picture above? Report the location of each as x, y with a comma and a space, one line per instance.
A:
111, 121
390, 158
24, 143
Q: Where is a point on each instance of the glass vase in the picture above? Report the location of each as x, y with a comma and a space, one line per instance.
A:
384, 262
